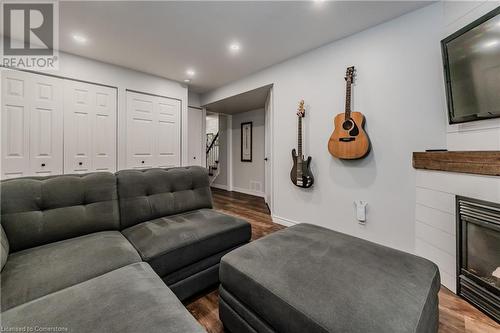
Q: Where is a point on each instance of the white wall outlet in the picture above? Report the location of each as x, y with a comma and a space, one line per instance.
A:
361, 210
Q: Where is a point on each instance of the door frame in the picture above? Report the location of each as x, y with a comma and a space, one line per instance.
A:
268, 150
202, 152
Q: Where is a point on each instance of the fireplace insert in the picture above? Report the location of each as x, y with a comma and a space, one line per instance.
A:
478, 254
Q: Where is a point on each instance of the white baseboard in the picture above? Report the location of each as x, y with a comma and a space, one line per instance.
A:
250, 192
283, 221
220, 186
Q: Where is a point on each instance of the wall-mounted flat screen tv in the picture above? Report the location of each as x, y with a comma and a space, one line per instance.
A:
471, 58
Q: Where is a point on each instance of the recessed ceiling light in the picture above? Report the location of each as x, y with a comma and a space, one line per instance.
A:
80, 38
190, 72
187, 80
234, 47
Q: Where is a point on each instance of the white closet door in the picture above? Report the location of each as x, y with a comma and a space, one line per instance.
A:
89, 128
31, 124
141, 130
46, 126
153, 131
15, 128
104, 136
78, 102
168, 142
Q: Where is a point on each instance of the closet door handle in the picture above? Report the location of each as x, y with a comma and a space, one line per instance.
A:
80, 163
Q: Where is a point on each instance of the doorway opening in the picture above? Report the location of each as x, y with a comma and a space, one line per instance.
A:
239, 155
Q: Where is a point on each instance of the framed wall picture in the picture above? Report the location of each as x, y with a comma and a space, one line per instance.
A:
246, 142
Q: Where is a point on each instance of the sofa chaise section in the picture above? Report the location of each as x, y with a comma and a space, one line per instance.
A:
130, 299
166, 214
38, 271
61, 231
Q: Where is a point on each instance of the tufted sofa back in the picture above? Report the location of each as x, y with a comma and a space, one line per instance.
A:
41, 210
153, 193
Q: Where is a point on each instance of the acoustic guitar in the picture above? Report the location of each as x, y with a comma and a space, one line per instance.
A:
349, 140
301, 175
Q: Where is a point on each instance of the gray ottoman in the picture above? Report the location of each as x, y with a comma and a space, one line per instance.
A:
308, 279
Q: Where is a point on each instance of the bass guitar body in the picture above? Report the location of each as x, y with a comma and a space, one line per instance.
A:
301, 174
349, 140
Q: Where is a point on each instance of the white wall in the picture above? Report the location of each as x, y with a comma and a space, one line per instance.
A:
193, 99
399, 88
479, 135
75, 67
212, 123
248, 177
222, 180
196, 137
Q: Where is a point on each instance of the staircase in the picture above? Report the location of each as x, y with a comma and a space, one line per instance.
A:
212, 156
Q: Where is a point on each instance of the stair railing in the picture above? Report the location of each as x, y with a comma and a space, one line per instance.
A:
212, 154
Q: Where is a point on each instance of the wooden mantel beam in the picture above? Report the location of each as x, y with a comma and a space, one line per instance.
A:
474, 162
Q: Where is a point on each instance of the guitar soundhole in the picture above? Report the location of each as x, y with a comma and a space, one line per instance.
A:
347, 125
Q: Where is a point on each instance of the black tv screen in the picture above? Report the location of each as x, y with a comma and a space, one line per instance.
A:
471, 58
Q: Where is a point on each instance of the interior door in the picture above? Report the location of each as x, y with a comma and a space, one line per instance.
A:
104, 130
46, 126
195, 136
15, 120
141, 130
268, 176
32, 126
78, 109
168, 132
153, 131
90, 127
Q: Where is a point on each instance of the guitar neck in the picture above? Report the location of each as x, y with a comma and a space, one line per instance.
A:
348, 100
299, 136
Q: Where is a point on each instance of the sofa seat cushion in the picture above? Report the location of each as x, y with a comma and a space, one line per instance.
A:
310, 279
173, 242
130, 299
41, 270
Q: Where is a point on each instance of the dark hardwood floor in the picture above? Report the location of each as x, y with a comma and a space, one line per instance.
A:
455, 314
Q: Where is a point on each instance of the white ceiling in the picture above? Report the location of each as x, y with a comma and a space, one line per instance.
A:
247, 101
167, 38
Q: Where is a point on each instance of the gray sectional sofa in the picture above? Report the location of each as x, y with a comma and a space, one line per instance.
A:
88, 253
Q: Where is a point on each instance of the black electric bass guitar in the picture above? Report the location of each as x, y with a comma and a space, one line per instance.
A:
301, 174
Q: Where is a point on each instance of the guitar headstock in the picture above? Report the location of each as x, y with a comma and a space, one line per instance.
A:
301, 112
349, 74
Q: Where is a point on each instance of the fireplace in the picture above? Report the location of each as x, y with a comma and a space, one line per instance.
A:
478, 254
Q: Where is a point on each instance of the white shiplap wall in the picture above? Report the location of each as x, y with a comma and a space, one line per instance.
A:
435, 218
